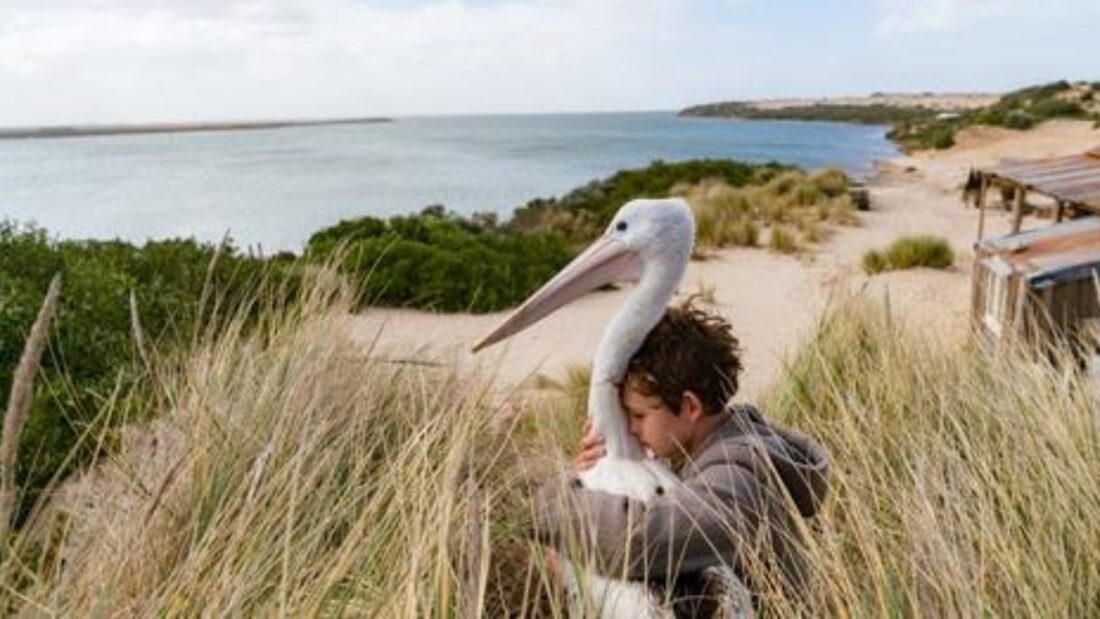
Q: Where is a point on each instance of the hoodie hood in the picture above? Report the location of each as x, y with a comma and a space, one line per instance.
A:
800, 463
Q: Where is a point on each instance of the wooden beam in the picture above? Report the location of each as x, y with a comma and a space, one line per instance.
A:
1018, 209
983, 188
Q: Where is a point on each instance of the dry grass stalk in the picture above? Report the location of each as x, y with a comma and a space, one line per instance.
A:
19, 404
475, 563
137, 332
207, 284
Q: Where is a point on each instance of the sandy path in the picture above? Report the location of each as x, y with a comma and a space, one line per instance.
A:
772, 300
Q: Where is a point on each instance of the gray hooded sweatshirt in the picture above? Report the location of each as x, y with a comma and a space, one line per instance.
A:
740, 488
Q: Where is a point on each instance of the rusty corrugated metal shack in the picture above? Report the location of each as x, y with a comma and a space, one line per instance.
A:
1039, 284
1045, 283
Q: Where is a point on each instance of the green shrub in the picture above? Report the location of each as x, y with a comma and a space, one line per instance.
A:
91, 351
807, 193
782, 240
1018, 119
942, 138
832, 182
438, 260
1055, 107
909, 252
784, 183
874, 262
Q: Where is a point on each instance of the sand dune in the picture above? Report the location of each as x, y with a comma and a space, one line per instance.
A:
772, 300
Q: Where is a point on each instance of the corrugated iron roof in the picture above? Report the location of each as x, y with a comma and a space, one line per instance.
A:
1061, 248
1075, 178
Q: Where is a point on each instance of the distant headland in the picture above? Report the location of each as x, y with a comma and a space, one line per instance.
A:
926, 120
67, 131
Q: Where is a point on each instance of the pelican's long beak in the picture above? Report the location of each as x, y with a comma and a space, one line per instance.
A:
605, 261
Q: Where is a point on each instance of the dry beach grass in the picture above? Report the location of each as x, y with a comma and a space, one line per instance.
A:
288, 472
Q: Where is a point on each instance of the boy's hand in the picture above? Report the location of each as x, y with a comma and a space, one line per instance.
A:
592, 449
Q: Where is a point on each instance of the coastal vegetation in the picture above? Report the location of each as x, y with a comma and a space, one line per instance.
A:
443, 261
925, 127
1019, 109
440, 260
795, 208
433, 260
288, 473
581, 215
92, 356
910, 252
871, 114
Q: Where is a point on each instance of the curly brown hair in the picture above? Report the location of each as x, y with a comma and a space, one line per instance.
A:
689, 350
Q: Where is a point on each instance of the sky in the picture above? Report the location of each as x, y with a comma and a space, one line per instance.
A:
104, 61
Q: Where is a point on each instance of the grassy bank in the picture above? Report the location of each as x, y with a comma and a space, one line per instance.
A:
918, 127
288, 473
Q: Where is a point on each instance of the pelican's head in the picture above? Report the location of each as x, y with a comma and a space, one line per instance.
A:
654, 230
644, 234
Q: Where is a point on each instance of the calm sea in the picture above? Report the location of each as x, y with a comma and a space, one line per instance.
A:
274, 187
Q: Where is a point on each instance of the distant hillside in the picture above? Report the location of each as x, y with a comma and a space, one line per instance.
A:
926, 121
871, 114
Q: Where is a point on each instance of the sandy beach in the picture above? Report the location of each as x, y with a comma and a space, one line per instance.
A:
772, 300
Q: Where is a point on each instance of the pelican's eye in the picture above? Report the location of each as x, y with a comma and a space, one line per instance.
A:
621, 226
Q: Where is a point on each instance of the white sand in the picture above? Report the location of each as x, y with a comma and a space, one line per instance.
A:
771, 300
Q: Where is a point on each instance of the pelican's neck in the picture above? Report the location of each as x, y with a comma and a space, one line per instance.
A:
637, 316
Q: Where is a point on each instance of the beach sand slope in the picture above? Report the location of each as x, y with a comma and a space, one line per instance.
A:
772, 300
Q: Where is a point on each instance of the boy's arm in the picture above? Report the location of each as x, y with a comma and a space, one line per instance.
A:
706, 520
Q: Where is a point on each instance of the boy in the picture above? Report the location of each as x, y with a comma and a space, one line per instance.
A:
740, 473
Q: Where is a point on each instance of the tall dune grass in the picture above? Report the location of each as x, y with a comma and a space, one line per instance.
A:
802, 205
964, 484
288, 472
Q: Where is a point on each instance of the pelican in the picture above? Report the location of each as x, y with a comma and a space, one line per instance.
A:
648, 242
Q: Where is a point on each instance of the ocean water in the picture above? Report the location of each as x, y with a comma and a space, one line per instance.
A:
273, 188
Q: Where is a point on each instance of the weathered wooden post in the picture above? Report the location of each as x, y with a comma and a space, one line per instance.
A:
983, 188
1018, 209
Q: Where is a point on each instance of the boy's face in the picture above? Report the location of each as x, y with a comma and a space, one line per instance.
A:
656, 425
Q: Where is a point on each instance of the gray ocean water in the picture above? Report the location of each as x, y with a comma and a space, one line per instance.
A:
273, 188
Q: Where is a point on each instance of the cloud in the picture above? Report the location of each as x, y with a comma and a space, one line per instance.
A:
909, 17
132, 60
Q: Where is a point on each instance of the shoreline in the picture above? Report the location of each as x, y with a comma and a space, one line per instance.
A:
74, 131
